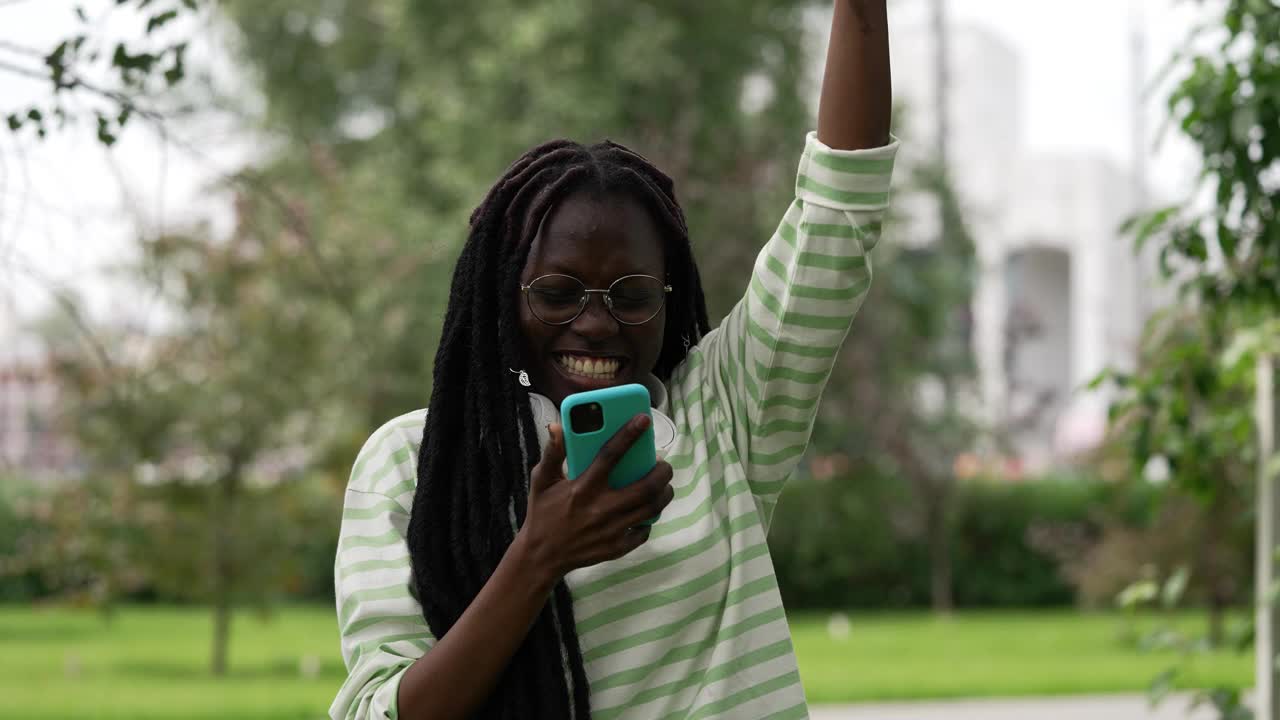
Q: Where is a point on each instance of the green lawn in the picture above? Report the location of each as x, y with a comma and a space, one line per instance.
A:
151, 663
890, 657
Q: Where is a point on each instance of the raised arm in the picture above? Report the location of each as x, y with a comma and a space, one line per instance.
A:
763, 369
857, 95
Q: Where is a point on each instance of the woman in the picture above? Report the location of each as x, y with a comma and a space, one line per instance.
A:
482, 582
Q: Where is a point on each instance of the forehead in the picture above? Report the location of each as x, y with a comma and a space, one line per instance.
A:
598, 238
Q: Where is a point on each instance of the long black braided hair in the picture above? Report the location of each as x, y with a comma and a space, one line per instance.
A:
480, 443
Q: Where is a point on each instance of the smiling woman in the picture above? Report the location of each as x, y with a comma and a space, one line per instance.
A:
595, 238
483, 583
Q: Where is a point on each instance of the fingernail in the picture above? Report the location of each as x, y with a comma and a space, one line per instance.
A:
642, 422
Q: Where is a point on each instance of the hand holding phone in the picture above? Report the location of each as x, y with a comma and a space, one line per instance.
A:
572, 524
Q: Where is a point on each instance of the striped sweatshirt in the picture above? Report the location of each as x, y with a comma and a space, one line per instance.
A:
691, 624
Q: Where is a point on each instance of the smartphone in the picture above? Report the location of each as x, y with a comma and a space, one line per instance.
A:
591, 418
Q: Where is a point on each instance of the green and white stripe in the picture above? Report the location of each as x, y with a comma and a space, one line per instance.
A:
690, 625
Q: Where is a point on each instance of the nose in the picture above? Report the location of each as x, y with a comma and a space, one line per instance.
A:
595, 321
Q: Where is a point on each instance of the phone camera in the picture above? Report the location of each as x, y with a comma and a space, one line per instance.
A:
586, 418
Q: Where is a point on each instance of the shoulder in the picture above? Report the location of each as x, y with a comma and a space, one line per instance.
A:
387, 462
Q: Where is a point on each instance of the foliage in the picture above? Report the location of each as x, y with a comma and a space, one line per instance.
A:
1186, 405
137, 70
20, 536
1047, 543
1213, 549
896, 403
1187, 413
1190, 646
850, 541
195, 444
1228, 104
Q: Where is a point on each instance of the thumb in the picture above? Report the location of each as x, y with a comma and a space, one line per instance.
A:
548, 470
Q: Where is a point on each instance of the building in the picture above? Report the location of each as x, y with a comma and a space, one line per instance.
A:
1061, 295
32, 444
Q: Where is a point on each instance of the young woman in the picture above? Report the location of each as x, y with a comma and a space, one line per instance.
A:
480, 582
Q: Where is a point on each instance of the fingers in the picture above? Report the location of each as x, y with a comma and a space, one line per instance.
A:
632, 538
548, 471
652, 508
617, 446
648, 497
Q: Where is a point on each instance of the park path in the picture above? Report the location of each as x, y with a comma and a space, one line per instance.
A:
1100, 707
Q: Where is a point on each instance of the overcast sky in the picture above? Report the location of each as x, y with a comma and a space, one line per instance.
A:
63, 213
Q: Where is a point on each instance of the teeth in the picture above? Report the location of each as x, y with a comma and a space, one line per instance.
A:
598, 368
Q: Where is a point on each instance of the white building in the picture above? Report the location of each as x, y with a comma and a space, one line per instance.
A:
1060, 296
32, 444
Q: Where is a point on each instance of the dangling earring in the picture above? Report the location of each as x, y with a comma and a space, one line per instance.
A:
523, 379
686, 344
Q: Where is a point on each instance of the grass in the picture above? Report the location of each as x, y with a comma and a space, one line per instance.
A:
152, 662
915, 656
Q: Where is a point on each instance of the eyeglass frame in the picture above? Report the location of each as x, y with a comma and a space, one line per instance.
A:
586, 298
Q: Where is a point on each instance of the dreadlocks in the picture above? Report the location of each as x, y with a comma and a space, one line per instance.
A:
480, 443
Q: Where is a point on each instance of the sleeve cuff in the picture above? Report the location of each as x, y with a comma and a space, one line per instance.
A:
845, 179
386, 699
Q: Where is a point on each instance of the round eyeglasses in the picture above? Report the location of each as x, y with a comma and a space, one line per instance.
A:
560, 299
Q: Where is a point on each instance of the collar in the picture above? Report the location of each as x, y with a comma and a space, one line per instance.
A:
664, 428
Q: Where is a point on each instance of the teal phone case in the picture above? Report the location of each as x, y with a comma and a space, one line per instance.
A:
619, 404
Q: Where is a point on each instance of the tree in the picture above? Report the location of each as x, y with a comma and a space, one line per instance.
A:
1184, 409
198, 434
136, 73
895, 404
1225, 259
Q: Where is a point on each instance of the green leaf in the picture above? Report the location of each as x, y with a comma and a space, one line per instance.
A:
1240, 635
1161, 686
1145, 226
15, 122
105, 136
1174, 587
160, 20
174, 74
1098, 380
1137, 594
127, 61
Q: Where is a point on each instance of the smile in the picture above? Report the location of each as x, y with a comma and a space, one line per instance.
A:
595, 368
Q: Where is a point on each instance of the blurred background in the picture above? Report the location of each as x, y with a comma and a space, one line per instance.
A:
226, 236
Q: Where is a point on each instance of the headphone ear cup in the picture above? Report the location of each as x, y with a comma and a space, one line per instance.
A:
664, 432
544, 413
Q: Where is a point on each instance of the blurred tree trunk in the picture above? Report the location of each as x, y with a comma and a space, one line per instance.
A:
933, 492
1210, 549
223, 516
940, 569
